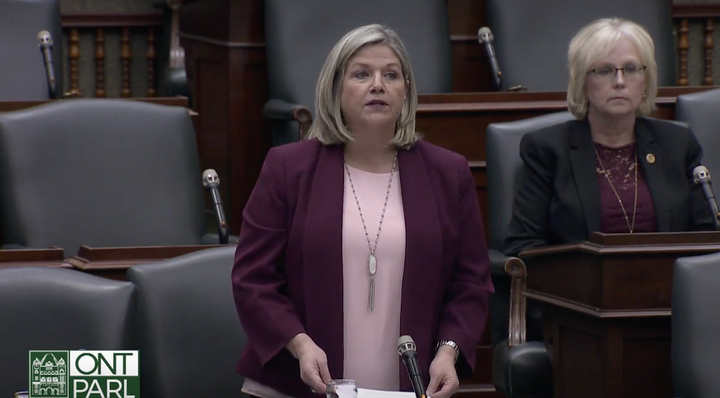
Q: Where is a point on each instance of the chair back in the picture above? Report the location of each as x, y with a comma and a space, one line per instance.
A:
102, 173
190, 335
22, 70
45, 308
700, 112
696, 327
503, 168
300, 34
531, 37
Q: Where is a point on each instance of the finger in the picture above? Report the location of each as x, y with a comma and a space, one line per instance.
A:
443, 392
433, 386
324, 372
312, 379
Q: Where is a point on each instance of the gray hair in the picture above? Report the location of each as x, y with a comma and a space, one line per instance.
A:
328, 125
595, 41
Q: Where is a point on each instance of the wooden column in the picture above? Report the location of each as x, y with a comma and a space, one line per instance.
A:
125, 57
151, 55
709, 45
682, 51
74, 60
100, 64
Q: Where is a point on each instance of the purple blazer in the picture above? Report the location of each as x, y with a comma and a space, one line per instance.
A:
287, 276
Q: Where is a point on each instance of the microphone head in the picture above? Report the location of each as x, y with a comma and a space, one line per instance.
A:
210, 176
485, 35
701, 173
405, 344
44, 39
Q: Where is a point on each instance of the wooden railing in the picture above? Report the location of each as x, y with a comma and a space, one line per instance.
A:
683, 14
73, 24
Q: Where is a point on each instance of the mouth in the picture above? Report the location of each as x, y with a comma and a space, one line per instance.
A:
618, 98
376, 103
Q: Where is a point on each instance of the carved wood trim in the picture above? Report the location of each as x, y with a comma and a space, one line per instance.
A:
125, 57
517, 270
74, 40
100, 64
696, 10
110, 20
304, 118
151, 55
709, 45
682, 52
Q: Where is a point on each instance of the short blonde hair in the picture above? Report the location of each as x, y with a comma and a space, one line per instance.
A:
595, 41
328, 125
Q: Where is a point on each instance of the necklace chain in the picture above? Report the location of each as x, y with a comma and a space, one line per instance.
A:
372, 260
631, 227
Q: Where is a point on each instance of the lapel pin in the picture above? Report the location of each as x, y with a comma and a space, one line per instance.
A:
650, 158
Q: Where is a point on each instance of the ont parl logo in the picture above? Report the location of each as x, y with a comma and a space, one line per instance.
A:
84, 374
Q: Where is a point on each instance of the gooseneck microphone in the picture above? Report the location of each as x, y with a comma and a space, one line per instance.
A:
45, 42
211, 183
701, 176
406, 349
486, 38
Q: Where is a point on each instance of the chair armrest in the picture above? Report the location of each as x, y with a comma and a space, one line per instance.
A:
276, 109
517, 329
497, 262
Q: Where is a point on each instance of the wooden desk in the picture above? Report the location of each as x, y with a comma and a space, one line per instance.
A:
50, 257
113, 262
458, 121
608, 307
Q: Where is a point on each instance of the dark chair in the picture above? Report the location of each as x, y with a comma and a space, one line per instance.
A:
532, 37
22, 69
521, 367
700, 112
696, 327
46, 308
190, 335
101, 173
300, 34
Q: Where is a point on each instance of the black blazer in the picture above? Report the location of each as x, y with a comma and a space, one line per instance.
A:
558, 196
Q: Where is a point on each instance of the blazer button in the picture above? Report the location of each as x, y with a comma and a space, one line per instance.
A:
650, 158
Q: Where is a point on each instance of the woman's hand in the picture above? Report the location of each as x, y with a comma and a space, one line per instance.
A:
443, 377
313, 362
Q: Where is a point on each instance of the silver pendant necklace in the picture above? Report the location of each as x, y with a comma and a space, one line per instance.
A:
372, 260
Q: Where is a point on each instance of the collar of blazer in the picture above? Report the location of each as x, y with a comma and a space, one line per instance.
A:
582, 159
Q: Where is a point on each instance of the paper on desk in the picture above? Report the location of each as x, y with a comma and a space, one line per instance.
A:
368, 393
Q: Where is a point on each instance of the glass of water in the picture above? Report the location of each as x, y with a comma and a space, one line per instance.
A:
342, 388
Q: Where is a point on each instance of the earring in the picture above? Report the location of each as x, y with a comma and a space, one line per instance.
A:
643, 94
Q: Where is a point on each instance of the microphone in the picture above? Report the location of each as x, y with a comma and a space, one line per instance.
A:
211, 183
701, 176
485, 37
45, 42
406, 349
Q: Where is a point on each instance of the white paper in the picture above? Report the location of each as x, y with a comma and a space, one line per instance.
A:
368, 393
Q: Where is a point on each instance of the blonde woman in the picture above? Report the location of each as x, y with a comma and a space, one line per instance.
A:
358, 235
613, 169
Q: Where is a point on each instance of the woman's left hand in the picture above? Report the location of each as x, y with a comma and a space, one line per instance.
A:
443, 377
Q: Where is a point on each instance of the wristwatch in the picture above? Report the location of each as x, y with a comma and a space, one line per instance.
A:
451, 344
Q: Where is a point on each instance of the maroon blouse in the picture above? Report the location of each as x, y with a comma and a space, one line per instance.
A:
620, 165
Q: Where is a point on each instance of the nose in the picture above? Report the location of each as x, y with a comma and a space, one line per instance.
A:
377, 83
619, 80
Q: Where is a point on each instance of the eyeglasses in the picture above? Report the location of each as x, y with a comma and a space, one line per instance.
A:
608, 72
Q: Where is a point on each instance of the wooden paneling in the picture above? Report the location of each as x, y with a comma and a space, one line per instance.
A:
225, 60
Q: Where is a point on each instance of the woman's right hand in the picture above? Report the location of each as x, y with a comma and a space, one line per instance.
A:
313, 362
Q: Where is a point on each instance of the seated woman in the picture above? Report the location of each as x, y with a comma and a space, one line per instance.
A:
612, 170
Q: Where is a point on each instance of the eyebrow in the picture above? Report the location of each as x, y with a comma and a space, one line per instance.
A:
363, 64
